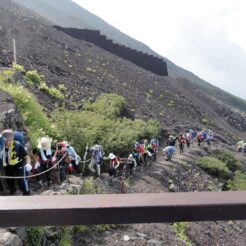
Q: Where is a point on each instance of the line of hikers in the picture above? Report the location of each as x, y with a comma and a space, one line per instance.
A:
140, 156
15, 160
186, 138
55, 160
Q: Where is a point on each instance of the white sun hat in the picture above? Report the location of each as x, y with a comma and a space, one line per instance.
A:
111, 156
44, 143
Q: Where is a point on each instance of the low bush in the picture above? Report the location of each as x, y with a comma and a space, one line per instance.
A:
214, 167
231, 161
238, 182
34, 236
33, 77
180, 230
101, 121
35, 120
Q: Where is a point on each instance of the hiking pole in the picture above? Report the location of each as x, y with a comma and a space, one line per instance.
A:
123, 177
84, 159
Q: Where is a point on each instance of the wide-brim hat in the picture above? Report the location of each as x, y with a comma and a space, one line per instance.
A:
111, 156
44, 143
8, 134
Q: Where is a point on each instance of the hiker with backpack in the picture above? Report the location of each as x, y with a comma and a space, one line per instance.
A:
171, 141
244, 149
74, 157
181, 141
200, 138
169, 151
240, 145
188, 139
132, 163
96, 159
139, 149
43, 158
113, 164
15, 162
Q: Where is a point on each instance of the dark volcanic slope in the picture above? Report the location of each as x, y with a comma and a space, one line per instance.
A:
87, 71
66, 13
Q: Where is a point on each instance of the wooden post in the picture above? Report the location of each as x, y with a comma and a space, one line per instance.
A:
14, 47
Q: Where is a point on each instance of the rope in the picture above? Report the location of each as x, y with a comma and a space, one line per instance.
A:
34, 175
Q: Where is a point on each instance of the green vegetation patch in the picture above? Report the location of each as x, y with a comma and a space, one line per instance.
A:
180, 230
214, 167
231, 161
238, 182
102, 121
35, 120
34, 236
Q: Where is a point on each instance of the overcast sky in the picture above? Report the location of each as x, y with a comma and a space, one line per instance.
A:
206, 37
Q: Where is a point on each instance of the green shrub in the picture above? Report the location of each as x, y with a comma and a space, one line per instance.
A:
88, 187
34, 235
66, 239
18, 68
109, 105
33, 77
35, 120
231, 161
238, 182
6, 76
180, 230
52, 91
93, 124
214, 167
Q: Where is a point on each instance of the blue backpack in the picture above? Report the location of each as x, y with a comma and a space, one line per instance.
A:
20, 137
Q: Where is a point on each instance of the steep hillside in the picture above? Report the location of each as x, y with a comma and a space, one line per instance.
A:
83, 72
86, 71
68, 14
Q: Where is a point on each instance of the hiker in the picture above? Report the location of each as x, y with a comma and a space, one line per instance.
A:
74, 157
155, 143
138, 148
168, 151
16, 162
63, 158
1, 147
148, 151
132, 163
188, 138
209, 139
96, 160
240, 145
200, 138
181, 141
114, 164
43, 158
171, 141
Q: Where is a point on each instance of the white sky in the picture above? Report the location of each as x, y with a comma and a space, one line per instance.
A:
206, 37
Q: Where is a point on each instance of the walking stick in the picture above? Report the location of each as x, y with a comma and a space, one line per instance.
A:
123, 177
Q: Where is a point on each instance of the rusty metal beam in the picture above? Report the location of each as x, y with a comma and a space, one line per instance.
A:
121, 208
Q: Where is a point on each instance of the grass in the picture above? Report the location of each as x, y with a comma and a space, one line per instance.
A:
36, 122
180, 230
238, 182
231, 161
214, 167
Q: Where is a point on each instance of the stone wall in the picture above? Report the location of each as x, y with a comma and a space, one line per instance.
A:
149, 62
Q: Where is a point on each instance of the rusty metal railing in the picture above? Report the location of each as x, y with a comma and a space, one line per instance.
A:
121, 208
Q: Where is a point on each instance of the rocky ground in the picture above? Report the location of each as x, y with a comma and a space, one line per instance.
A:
179, 175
